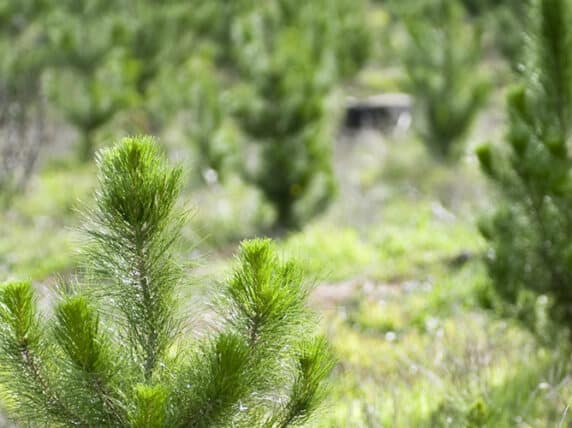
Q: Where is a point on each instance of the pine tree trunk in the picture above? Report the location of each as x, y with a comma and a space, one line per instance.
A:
87, 146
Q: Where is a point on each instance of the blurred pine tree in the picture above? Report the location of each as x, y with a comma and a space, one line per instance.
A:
292, 54
530, 253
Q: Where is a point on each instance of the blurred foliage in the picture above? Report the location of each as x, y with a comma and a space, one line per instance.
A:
90, 79
505, 19
501, 21
292, 55
108, 56
22, 107
229, 73
240, 212
446, 83
215, 137
530, 253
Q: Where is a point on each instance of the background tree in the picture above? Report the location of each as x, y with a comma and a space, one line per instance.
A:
114, 354
292, 55
501, 20
447, 87
288, 120
529, 234
22, 107
93, 78
213, 134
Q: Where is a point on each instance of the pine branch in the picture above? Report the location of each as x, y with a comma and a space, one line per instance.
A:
216, 380
150, 407
22, 363
89, 362
314, 364
134, 228
267, 306
267, 297
533, 174
550, 47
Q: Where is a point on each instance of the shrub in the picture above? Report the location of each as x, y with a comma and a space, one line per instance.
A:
114, 353
530, 253
293, 54
447, 87
502, 18
288, 121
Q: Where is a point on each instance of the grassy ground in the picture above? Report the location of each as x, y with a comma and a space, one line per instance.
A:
398, 273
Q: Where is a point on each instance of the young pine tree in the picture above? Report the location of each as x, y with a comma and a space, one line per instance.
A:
114, 353
442, 61
529, 235
293, 53
287, 119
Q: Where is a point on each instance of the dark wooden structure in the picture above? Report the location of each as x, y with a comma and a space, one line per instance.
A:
381, 111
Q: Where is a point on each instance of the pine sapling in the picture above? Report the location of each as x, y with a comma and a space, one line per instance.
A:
530, 251
115, 352
293, 54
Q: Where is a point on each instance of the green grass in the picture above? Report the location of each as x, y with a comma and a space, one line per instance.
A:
404, 363
330, 253
38, 236
411, 242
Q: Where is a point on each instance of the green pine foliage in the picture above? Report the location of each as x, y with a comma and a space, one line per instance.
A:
508, 18
530, 251
442, 64
117, 350
293, 54
289, 121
